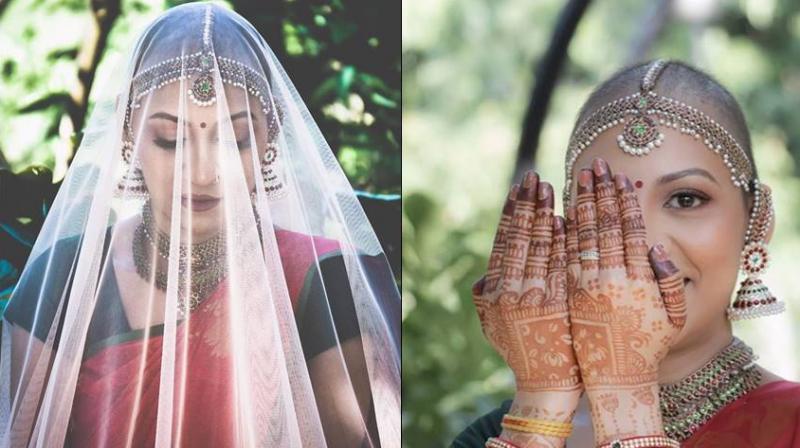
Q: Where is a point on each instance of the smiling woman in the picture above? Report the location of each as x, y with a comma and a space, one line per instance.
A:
206, 276
628, 298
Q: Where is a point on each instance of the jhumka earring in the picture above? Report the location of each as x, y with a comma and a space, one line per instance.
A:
754, 298
270, 172
132, 184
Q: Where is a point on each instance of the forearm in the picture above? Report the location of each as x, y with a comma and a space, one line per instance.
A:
620, 412
553, 406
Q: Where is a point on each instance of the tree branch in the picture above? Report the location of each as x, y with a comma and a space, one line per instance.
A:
547, 72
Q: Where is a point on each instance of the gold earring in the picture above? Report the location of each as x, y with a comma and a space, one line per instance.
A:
754, 299
132, 184
270, 172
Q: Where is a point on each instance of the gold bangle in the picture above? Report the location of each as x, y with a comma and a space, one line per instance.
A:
537, 423
537, 426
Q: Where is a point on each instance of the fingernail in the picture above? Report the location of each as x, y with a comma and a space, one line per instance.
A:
530, 180
601, 170
571, 213
619, 181
558, 224
514, 192
545, 196
663, 267
660, 253
585, 180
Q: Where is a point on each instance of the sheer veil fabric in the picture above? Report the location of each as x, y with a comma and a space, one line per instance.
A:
206, 275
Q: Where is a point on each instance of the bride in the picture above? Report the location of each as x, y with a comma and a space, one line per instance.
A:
206, 276
628, 298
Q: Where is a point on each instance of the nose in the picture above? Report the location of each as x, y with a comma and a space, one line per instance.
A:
202, 156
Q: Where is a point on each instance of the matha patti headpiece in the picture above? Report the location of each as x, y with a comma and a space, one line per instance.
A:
644, 115
199, 67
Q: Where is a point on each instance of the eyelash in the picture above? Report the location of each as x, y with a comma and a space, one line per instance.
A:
171, 144
690, 193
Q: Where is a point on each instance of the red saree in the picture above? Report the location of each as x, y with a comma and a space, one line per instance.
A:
116, 399
768, 417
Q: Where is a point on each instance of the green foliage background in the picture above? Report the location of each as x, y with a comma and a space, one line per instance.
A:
467, 75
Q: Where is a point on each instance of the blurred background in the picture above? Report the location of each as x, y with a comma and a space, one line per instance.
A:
342, 55
492, 87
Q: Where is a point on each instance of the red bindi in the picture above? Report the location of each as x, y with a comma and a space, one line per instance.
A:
638, 184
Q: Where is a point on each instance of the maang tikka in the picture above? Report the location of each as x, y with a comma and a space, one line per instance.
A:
643, 115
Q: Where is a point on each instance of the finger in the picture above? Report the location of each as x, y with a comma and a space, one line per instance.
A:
587, 229
535, 276
670, 283
519, 235
499, 246
634, 235
479, 300
573, 262
557, 266
609, 228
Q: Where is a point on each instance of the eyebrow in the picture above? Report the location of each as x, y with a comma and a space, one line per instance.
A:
173, 118
687, 172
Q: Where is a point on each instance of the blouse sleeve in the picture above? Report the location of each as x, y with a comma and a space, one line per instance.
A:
35, 299
476, 434
327, 296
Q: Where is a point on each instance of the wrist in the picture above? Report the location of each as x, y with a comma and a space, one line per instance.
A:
557, 407
620, 412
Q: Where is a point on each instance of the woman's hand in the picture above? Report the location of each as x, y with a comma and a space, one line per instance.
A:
626, 305
522, 306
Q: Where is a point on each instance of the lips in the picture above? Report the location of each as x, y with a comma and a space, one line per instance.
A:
199, 203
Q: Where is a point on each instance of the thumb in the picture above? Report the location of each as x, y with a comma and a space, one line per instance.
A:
670, 283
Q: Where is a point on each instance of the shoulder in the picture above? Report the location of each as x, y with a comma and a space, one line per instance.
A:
488, 425
304, 245
767, 416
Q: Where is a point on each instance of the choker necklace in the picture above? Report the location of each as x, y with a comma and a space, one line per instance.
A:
207, 264
691, 402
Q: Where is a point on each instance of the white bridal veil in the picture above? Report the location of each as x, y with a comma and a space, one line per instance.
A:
206, 275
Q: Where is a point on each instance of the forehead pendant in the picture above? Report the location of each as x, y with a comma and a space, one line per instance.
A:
640, 134
202, 91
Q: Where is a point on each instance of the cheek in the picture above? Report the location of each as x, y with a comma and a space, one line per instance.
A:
710, 247
157, 168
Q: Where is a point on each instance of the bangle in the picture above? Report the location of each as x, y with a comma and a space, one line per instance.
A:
643, 442
497, 442
536, 426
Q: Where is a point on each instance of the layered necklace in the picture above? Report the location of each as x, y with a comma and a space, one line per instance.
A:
205, 262
690, 403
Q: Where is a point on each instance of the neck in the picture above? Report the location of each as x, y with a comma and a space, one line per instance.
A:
680, 363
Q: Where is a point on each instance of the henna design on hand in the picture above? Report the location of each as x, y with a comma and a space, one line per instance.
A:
626, 309
523, 312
